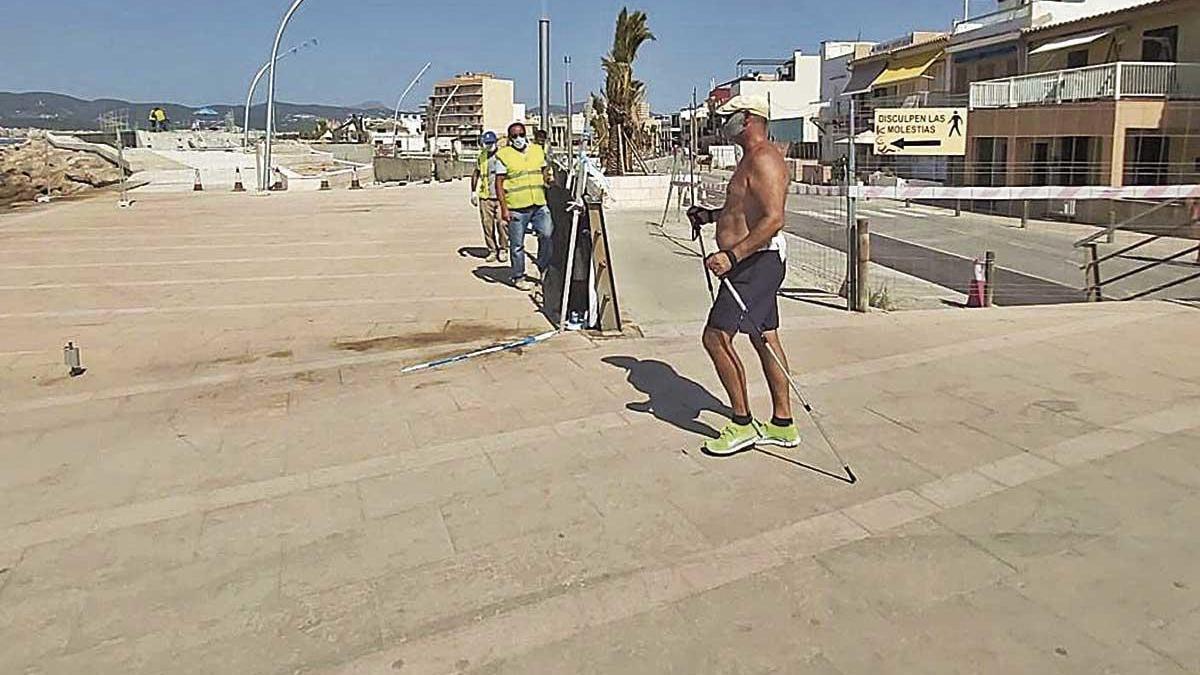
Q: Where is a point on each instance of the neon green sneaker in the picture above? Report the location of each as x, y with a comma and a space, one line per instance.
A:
734, 438
784, 437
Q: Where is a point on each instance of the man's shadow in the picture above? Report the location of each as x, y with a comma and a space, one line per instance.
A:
671, 397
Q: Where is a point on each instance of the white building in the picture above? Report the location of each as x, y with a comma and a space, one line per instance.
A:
793, 91
835, 75
410, 134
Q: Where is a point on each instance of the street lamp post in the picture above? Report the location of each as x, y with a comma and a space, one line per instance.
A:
437, 119
266, 167
396, 119
258, 78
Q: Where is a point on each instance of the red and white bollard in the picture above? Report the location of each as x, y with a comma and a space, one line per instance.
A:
977, 296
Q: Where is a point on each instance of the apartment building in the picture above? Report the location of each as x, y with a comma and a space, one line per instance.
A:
1108, 99
461, 108
909, 71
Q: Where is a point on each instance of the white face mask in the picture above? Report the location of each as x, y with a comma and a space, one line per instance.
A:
734, 126
519, 143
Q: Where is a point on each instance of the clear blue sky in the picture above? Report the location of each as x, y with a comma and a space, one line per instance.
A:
205, 51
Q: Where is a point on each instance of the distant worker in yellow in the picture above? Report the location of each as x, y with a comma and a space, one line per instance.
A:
483, 195
522, 175
158, 119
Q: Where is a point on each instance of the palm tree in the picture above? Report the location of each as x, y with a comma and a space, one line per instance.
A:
620, 109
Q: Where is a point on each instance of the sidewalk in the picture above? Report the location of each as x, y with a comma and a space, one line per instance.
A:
1026, 503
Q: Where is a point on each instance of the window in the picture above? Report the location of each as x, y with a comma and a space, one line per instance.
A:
1077, 58
1039, 165
1147, 159
962, 80
1072, 160
1160, 44
991, 162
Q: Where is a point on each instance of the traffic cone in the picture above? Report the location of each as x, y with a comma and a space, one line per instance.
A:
325, 184
237, 181
354, 184
978, 286
197, 186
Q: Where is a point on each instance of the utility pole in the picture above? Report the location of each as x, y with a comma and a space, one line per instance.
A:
692, 146
570, 110
544, 71
852, 280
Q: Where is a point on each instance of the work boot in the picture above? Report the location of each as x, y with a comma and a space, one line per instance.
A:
734, 438
523, 284
772, 434
502, 256
491, 258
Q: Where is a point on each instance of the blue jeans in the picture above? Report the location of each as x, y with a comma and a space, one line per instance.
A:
537, 218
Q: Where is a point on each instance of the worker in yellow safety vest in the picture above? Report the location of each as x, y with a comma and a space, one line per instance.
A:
483, 195
522, 175
158, 119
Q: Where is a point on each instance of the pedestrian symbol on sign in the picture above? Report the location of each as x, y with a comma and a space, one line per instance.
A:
956, 124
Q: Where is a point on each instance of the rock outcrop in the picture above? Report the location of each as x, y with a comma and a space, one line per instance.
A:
37, 168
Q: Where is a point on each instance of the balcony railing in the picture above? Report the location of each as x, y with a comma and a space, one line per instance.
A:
1020, 13
1111, 81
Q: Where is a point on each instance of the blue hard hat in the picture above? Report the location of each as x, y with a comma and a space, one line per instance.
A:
489, 138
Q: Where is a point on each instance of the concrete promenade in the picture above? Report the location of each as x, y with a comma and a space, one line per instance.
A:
244, 482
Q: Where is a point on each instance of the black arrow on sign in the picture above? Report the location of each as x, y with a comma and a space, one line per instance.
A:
904, 143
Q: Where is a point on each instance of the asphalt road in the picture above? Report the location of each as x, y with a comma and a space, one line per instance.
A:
1034, 266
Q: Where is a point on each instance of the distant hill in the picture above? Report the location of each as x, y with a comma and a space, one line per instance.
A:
46, 110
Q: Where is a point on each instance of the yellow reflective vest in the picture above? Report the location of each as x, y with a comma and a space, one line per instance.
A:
485, 182
524, 185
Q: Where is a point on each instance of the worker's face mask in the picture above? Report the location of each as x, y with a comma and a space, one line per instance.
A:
519, 142
734, 126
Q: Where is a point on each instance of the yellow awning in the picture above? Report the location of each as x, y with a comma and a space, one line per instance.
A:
899, 70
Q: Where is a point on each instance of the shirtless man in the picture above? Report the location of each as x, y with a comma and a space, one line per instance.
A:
751, 256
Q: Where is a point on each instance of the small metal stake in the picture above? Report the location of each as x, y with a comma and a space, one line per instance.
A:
72, 360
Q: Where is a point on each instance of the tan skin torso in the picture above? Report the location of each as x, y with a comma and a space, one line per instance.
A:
743, 202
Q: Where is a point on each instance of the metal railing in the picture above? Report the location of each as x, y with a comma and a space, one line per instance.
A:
1095, 281
1111, 81
1020, 13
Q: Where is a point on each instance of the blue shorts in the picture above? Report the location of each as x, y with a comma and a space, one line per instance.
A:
758, 280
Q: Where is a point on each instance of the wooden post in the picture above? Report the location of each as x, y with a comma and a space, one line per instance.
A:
1092, 274
862, 263
989, 284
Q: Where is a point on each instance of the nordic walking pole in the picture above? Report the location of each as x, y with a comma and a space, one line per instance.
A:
737, 297
698, 235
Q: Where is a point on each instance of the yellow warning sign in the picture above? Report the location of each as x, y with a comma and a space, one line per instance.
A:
921, 131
